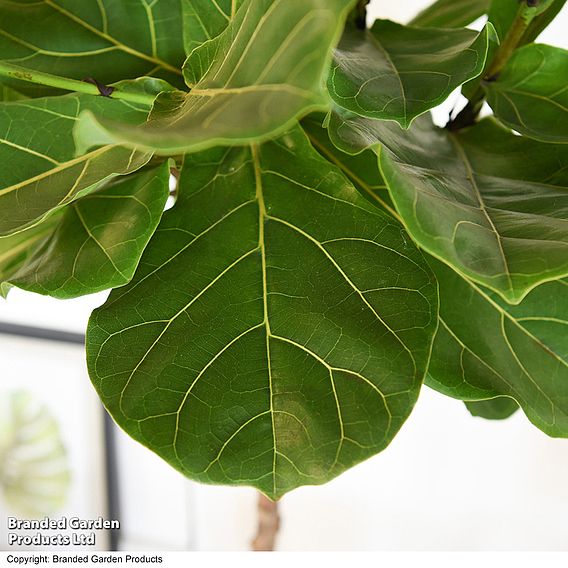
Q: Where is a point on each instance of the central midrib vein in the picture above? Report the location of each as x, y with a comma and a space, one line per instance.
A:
261, 245
471, 177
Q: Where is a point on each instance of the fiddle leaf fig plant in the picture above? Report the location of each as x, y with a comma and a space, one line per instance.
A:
327, 249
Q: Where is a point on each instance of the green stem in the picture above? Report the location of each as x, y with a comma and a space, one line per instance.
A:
40, 78
527, 12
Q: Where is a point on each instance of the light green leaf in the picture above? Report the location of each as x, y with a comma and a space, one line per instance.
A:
104, 39
451, 13
498, 408
99, 240
243, 88
277, 330
531, 93
491, 204
36, 139
485, 348
204, 20
395, 72
34, 469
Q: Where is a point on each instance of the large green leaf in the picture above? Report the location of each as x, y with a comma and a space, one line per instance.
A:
395, 72
451, 13
251, 83
36, 140
491, 204
99, 240
497, 408
104, 39
531, 93
277, 330
485, 348
204, 20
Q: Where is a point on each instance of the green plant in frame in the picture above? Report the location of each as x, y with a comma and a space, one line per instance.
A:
330, 249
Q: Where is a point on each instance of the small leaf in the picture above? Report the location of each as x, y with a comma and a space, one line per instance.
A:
485, 348
99, 239
242, 89
108, 40
395, 72
498, 408
451, 13
45, 173
531, 93
278, 327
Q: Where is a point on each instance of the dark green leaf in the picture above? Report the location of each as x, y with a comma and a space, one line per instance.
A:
243, 89
394, 72
99, 240
491, 204
104, 39
498, 408
36, 139
531, 93
485, 348
278, 327
451, 13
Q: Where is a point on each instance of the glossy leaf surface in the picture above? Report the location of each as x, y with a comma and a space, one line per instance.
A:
395, 72
110, 41
36, 139
491, 204
241, 88
277, 330
485, 348
99, 239
531, 93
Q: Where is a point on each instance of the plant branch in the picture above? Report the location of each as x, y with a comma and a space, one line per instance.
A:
89, 87
268, 525
527, 12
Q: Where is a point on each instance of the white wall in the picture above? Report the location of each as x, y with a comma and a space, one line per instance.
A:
448, 481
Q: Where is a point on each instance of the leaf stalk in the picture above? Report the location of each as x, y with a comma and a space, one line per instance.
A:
90, 87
